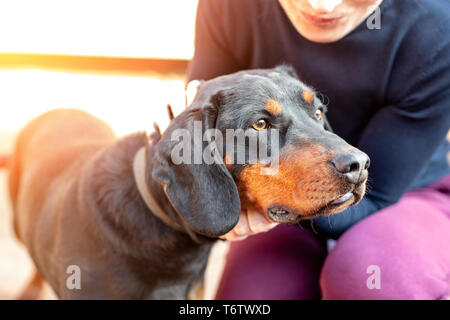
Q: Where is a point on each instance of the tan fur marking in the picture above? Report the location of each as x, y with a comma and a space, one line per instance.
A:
308, 96
273, 107
304, 182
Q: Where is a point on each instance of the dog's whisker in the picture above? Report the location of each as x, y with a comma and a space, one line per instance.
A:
325, 100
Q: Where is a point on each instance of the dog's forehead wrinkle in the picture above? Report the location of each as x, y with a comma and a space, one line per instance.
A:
256, 94
235, 117
275, 85
290, 89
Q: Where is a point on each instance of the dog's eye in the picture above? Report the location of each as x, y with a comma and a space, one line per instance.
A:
319, 114
260, 124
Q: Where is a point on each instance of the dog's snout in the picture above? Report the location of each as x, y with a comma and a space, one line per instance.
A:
351, 165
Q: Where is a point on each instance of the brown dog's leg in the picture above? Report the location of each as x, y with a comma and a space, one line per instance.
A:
33, 289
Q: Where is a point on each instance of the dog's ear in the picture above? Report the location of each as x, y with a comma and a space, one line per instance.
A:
288, 70
205, 195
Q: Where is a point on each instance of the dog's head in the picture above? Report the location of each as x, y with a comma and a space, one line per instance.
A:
256, 139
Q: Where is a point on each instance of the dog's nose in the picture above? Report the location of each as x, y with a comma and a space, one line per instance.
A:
351, 165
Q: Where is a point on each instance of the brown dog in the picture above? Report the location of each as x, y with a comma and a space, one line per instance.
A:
137, 225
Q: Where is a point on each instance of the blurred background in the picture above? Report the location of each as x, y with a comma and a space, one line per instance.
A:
122, 61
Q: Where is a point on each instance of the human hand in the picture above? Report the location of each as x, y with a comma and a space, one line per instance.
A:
250, 222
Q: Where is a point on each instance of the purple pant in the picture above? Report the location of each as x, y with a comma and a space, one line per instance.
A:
400, 252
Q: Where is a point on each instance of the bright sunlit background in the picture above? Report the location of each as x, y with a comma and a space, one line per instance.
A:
125, 44
125, 28
127, 103
104, 28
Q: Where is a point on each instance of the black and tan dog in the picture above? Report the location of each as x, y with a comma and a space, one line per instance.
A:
140, 226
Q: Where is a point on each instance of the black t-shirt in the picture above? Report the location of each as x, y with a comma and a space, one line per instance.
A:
388, 89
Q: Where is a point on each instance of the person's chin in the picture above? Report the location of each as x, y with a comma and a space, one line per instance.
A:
320, 35
323, 34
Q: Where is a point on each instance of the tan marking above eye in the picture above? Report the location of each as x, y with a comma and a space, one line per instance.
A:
273, 107
319, 114
260, 124
308, 96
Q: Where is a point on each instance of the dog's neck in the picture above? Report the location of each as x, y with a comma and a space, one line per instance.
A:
150, 190
139, 166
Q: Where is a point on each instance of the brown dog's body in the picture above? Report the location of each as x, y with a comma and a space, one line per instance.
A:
58, 174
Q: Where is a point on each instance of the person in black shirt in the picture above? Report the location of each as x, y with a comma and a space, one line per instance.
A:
383, 67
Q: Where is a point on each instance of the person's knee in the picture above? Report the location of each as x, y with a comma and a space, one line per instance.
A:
352, 275
385, 258
353, 272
